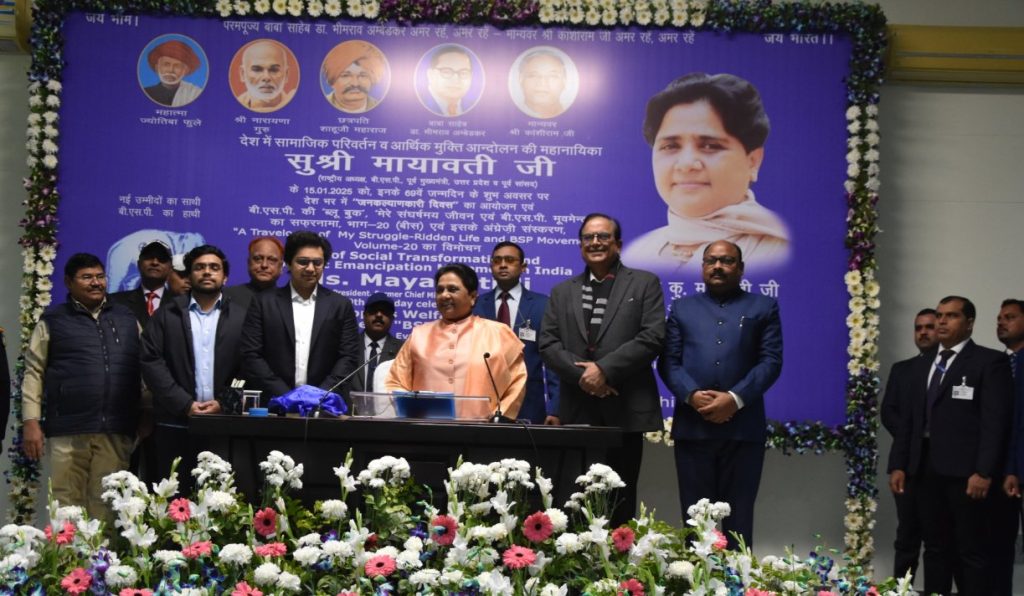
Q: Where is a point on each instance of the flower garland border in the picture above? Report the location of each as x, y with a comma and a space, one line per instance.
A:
865, 24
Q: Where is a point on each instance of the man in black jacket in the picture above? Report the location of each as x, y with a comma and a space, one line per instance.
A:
189, 357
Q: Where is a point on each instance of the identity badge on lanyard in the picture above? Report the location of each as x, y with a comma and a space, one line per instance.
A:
526, 333
962, 391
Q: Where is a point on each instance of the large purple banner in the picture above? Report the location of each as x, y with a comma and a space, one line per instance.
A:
409, 146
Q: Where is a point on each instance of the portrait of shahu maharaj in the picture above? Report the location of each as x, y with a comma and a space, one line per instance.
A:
172, 61
707, 135
351, 69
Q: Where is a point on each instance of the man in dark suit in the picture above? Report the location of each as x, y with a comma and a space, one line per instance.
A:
523, 310
189, 358
953, 444
154, 267
602, 331
907, 546
265, 263
376, 339
303, 333
722, 353
5, 389
1010, 332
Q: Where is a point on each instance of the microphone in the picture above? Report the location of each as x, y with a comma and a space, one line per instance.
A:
498, 417
344, 380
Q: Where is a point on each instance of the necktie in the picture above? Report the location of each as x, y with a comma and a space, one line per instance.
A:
372, 366
150, 302
503, 315
1013, 364
935, 382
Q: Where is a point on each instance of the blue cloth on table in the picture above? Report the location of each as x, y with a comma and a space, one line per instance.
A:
305, 399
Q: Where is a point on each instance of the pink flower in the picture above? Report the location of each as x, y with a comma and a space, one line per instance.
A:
517, 557
244, 589
537, 527
631, 587
442, 529
65, 536
265, 522
77, 581
756, 592
721, 541
623, 538
272, 549
179, 510
197, 549
347, 594
872, 591
379, 566
826, 593
135, 592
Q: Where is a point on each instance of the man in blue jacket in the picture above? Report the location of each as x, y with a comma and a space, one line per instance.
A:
510, 303
723, 350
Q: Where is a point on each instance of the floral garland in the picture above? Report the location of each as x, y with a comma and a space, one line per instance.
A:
865, 24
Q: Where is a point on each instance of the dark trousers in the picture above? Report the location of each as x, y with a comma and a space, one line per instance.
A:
626, 461
1005, 523
956, 530
907, 546
722, 470
171, 442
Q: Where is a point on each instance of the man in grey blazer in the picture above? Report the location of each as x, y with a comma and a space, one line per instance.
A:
602, 331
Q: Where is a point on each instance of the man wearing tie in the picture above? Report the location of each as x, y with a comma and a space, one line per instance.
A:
953, 444
1010, 332
302, 333
154, 266
378, 343
512, 304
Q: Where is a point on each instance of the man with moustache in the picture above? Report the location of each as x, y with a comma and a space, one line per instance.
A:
601, 332
953, 443
907, 546
448, 80
82, 371
522, 310
1010, 332
154, 266
542, 77
723, 352
376, 339
265, 263
351, 69
172, 61
302, 333
264, 72
189, 358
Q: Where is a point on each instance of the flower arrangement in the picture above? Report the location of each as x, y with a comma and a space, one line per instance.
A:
864, 23
499, 533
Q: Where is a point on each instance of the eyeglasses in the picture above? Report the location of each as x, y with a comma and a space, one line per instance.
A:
306, 262
447, 73
727, 261
499, 259
599, 236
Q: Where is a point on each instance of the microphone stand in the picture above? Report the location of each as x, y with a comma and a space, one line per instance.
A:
344, 380
498, 417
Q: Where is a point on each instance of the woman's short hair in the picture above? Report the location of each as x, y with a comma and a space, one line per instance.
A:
469, 277
736, 101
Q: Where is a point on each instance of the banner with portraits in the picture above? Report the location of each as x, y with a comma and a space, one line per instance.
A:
413, 145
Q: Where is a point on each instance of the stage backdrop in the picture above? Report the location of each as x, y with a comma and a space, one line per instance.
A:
403, 187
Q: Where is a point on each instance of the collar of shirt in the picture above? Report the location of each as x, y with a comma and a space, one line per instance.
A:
442, 104
159, 291
298, 298
956, 351
95, 313
380, 342
515, 294
194, 306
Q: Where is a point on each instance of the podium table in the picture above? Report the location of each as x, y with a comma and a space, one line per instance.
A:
430, 446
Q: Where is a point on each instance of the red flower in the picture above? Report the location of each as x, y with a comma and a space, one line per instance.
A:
371, 542
623, 538
379, 566
721, 542
265, 522
537, 527
631, 587
517, 557
65, 536
197, 549
135, 592
272, 549
77, 581
442, 529
179, 510
244, 589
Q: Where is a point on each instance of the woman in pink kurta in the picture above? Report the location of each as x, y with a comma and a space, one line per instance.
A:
447, 355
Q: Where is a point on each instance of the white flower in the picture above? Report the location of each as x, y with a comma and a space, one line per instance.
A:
425, 577
261, 6
853, 156
408, 559
568, 543
451, 577
609, 17
242, 7
333, 8
140, 536
683, 569
289, 581
371, 9
295, 8
166, 488
307, 555
87, 528
493, 582
223, 7
50, 161
315, 8
853, 170
170, 558
266, 574
553, 590
853, 127
280, 6
853, 112
120, 576
34, 118
311, 539
337, 549
355, 8
34, 101
235, 554
44, 268
218, 501
414, 543
71, 513
334, 509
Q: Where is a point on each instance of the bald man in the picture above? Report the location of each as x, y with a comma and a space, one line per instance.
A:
264, 72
